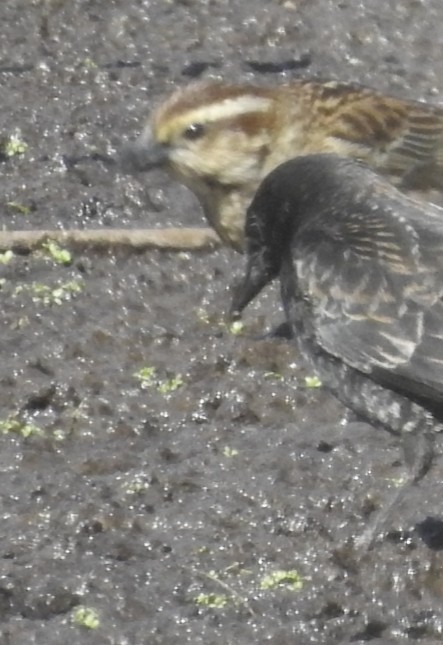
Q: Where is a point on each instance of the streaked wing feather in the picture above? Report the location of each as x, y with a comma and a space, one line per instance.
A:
401, 137
420, 142
375, 296
426, 365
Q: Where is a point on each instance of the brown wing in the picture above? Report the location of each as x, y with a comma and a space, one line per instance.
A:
419, 146
374, 277
398, 136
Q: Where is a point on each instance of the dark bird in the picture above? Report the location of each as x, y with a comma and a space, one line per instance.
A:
361, 273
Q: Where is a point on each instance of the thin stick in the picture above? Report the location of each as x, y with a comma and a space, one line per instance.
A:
170, 239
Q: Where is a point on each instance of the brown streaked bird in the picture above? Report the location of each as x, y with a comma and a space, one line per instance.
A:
221, 140
361, 273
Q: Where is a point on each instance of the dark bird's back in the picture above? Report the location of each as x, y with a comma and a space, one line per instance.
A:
361, 273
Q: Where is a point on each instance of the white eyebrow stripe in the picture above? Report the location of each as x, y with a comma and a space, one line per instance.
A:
228, 108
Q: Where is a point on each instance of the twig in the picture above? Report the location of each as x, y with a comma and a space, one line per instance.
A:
170, 239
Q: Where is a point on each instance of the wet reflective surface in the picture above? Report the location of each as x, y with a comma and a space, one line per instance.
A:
156, 468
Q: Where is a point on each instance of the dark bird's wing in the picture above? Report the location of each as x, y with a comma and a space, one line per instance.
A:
373, 274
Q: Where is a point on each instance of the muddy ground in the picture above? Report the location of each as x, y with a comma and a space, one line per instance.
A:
157, 471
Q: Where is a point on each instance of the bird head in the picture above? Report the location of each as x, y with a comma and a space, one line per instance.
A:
296, 192
207, 135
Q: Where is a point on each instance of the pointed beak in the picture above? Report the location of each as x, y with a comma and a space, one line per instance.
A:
254, 281
143, 154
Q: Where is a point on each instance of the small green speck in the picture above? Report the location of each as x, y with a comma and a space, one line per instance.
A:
13, 425
85, 617
56, 253
230, 452
289, 579
46, 295
170, 384
138, 485
6, 257
20, 208
148, 378
14, 145
312, 382
236, 328
212, 600
88, 63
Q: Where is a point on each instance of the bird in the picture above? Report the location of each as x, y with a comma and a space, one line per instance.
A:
221, 139
360, 266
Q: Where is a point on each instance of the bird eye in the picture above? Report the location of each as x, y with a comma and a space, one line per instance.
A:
194, 131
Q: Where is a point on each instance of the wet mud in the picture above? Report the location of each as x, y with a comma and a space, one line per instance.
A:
165, 480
